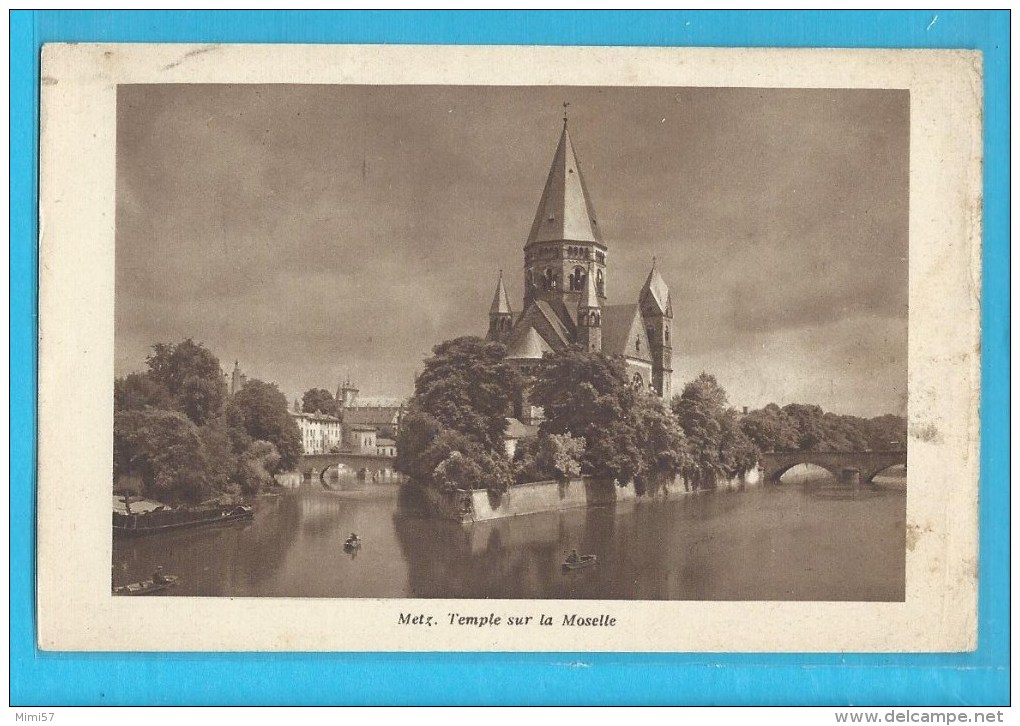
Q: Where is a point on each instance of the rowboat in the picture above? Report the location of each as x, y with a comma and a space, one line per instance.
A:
146, 587
350, 545
582, 561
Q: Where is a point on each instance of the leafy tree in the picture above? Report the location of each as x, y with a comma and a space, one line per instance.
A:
260, 411
589, 396
548, 456
468, 388
770, 429
255, 465
699, 409
664, 450
438, 456
807, 420
452, 433
321, 400
165, 450
737, 452
137, 391
886, 432
192, 376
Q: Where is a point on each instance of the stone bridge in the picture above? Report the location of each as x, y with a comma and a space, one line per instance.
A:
842, 464
367, 466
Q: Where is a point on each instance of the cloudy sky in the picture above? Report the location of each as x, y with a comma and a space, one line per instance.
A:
312, 232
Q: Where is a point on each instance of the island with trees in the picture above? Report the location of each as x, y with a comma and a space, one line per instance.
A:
598, 429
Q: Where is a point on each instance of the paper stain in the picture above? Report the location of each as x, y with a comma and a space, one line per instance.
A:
914, 534
928, 433
191, 54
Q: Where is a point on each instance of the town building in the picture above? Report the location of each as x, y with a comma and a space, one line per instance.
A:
566, 292
320, 433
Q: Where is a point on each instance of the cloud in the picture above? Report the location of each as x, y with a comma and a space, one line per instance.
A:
311, 230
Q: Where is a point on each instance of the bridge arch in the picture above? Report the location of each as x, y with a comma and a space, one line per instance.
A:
776, 475
866, 464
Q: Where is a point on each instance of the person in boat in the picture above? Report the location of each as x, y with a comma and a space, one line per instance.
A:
158, 577
353, 539
573, 558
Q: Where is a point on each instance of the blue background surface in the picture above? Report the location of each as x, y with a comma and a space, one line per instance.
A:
979, 678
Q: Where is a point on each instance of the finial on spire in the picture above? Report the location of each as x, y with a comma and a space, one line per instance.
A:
653, 262
565, 104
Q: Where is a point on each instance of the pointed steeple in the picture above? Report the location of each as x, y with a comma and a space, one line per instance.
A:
501, 317
654, 296
500, 301
565, 211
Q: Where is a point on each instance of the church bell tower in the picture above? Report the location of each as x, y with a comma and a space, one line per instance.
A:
565, 245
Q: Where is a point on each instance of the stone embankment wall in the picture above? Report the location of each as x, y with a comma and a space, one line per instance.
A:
551, 496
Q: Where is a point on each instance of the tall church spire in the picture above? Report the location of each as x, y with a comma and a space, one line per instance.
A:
565, 211
501, 317
500, 301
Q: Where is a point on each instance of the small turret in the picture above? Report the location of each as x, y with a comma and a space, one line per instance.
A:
589, 315
501, 317
657, 314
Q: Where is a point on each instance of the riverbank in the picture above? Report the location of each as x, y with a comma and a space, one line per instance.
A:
552, 496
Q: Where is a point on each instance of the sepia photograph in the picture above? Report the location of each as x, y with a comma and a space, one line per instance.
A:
417, 348
616, 343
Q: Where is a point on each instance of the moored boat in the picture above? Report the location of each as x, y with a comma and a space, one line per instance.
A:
164, 519
147, 587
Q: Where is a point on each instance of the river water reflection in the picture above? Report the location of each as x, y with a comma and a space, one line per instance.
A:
814, 540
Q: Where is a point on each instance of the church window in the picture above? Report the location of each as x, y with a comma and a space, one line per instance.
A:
637, 344
547, 280
600, 283
666, 332
577, 279
637, 381
555, 281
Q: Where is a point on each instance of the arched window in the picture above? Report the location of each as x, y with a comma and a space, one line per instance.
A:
555, 281
637, 344
577, 279
547, 279
600, 283
666, 333
637, 381
529, 281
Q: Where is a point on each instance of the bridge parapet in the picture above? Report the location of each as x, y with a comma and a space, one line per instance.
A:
869, 463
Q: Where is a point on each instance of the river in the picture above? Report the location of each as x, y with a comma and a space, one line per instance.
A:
806, 539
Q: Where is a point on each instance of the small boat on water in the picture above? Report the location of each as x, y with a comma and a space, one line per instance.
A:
164, 519
147, 587
352, 544
579, 563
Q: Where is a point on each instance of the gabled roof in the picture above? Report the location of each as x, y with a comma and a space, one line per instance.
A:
528, 345
500, 301
655, 293
565, 211
517, 430
623, 332
372, 415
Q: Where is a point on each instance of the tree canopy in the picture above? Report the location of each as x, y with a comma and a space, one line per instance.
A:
804, 427
452, 433
320, 400
177, 430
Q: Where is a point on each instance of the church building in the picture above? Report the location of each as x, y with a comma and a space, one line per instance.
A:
566, 291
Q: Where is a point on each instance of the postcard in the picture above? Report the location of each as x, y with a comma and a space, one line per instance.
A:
435, 348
